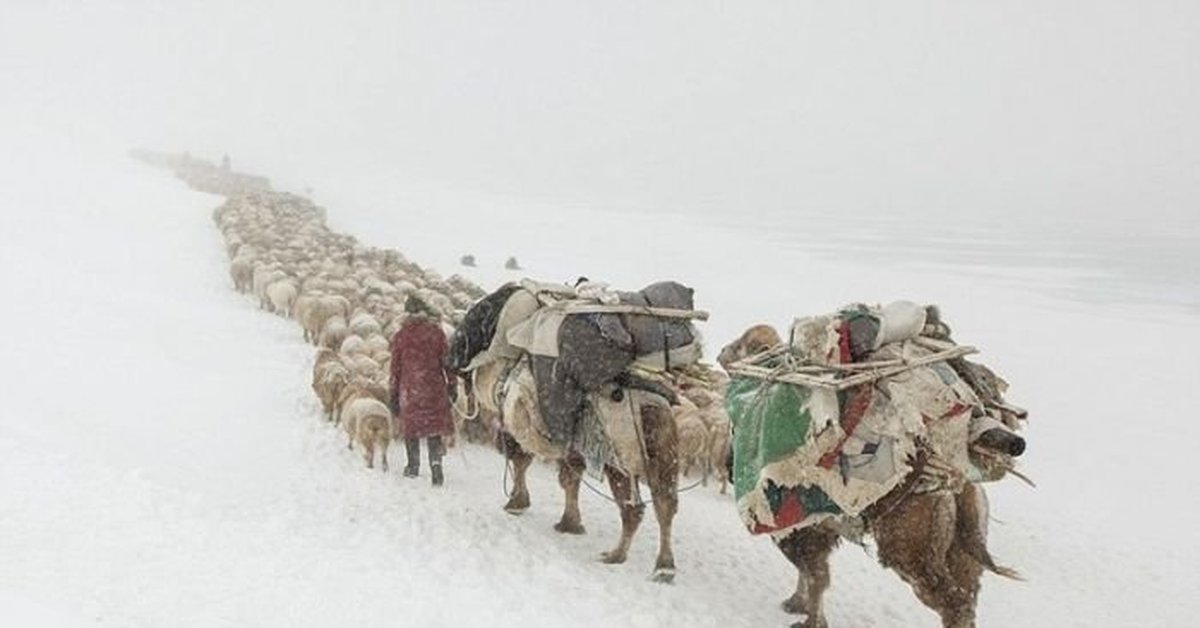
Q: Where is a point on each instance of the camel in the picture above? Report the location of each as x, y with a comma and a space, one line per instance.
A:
506, 389
936, 540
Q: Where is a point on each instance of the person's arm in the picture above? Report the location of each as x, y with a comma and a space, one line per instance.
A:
394, 380
450, 375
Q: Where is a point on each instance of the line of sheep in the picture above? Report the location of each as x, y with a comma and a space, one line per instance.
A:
348, 299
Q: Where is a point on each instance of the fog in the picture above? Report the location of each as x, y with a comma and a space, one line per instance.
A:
1069, 121
1032, 167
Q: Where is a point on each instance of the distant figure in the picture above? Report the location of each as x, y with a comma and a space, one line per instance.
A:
308, 191
512, 264
421, 388
225, 162
467, 260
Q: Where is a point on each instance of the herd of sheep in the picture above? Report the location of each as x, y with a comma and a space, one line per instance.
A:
347, 298
349, 302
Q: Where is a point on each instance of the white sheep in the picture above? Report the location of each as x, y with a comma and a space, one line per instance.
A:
282, 295
370, 422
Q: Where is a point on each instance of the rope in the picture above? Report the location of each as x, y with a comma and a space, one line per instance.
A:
635, 415
469, 392
508, 463
584, 481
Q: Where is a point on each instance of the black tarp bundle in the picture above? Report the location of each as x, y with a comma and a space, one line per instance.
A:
594, 349
478, 327
598, 349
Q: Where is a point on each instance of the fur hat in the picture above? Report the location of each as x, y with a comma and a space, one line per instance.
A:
416, 305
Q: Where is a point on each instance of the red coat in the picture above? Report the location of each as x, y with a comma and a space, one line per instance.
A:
418, 384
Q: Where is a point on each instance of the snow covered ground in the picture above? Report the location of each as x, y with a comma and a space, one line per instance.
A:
162, 462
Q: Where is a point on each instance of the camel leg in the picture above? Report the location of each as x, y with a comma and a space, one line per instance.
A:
917, 539
631, 514
570, 475
518, 502
808, 550
662, 470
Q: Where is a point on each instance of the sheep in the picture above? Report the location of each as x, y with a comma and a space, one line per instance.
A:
282, 295
333, 333
330, 379
377, 345
352, 345
693, 436
363, 365
368, 420
263, 276
241, 270
365, 325
302, 309
323, 309
720, 442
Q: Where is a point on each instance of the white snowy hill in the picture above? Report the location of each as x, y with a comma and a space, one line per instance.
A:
162, 461
1028, 166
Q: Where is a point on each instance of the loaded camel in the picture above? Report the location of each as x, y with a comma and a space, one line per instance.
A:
508, 390
936, 541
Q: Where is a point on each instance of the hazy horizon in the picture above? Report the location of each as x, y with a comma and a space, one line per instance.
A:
1020, 109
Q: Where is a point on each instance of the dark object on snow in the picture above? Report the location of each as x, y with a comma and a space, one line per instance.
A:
225, 163
861, 329
418, 379
467, 260
436, 449
1003, 441
595, 350
478, 327
647, 333
587, 360
416, 305
511, 264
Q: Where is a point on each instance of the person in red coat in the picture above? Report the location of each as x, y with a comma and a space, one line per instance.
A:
421, 387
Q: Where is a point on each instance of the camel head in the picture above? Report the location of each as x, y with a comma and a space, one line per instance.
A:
757, 339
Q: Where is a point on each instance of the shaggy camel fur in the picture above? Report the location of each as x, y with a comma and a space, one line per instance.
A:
755, 340
501, 395
936, 541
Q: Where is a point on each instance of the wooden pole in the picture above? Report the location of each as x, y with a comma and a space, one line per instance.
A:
645, 310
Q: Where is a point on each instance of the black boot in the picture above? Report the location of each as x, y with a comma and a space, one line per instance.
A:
412, 447
435, 470
435, 460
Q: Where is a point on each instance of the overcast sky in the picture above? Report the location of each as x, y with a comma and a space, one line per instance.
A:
1031, 108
